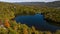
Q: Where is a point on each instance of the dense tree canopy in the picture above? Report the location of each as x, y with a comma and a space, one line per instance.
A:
8, 11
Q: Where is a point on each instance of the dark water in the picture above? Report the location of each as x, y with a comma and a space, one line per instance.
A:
37, 21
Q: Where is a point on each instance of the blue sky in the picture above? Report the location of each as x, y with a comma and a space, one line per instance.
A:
27, 0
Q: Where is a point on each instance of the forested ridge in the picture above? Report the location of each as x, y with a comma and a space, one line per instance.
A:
8, 11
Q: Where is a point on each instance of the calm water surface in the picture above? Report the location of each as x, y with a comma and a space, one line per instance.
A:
37, 21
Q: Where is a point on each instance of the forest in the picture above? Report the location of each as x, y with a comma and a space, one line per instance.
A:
8, 11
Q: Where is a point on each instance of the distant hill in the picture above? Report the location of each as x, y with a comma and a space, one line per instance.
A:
54, 4
49, 4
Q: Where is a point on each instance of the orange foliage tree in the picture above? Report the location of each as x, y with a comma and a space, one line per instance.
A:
25, 31
6, 23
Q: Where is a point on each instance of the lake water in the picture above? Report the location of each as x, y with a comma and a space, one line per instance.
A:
37, 21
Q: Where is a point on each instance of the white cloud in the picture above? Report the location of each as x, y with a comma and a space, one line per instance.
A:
27, 0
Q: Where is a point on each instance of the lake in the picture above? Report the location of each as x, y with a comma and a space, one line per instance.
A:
37, 21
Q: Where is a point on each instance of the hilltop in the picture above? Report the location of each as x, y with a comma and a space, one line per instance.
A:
49, 4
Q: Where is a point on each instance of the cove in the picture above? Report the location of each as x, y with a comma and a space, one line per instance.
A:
37, 21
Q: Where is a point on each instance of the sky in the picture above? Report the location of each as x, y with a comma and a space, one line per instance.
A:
27, 0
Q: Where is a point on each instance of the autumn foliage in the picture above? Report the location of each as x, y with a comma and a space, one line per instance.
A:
25, 31
6, 24
9, 11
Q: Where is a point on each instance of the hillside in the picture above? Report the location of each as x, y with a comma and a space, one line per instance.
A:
49, 12
8, 11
